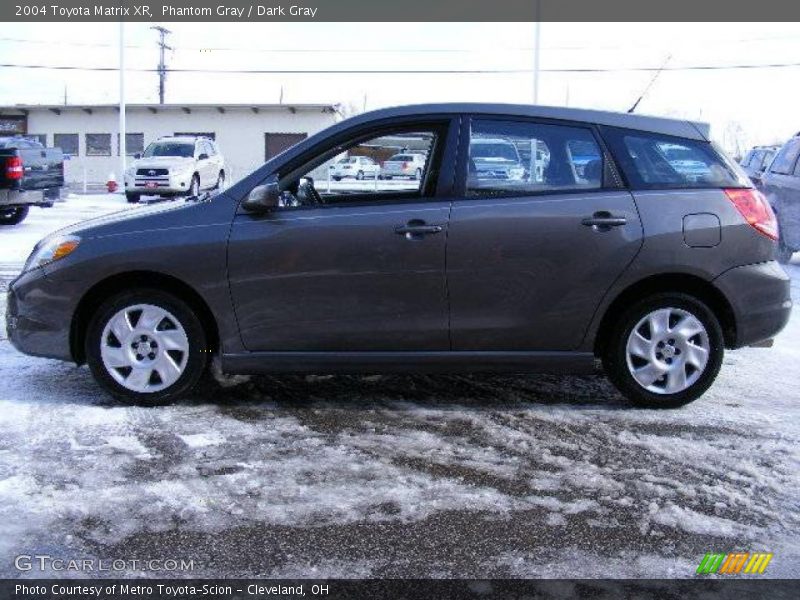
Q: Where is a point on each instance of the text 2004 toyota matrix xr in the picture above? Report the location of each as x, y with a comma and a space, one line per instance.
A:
529, 239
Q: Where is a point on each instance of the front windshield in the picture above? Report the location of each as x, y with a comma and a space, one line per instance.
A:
181, 149
502, 151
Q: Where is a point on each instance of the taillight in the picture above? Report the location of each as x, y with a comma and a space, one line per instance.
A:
14, 167
755, 209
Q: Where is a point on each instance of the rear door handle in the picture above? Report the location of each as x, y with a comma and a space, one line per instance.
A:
604, 220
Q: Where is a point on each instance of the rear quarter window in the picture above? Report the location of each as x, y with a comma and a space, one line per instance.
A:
658, 161
787, 157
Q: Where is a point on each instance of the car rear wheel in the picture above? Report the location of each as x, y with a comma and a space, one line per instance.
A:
665, 351
13, 216
146, 347
132, 198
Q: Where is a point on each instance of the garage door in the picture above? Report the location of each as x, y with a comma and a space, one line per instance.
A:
275, 143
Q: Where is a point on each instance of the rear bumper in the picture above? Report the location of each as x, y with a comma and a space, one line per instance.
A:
24, 198
39, 316
760, 296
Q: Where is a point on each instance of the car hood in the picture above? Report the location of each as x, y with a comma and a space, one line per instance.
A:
130, 220
159, 162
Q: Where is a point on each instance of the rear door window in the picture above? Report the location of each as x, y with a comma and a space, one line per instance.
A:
787, 157
508, 158
657, 161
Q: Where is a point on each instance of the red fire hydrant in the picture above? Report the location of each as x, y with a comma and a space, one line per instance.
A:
112, 186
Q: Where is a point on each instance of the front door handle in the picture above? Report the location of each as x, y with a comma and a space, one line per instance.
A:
417, 228
603, 221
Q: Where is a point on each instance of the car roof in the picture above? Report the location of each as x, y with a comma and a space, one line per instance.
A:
181, 138
663, 125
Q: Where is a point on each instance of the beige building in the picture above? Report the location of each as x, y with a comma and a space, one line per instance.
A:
247, 134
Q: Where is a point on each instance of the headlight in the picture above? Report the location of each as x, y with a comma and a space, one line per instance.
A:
52, 250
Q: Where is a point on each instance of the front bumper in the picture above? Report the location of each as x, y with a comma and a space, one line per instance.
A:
164, 184
760, 296
39, 316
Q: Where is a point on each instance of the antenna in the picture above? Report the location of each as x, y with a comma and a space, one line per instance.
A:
649, 85
162, 67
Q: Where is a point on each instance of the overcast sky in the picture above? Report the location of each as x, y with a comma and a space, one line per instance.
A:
763, 102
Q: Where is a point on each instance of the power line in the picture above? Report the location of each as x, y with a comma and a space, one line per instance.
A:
326, 50
405, 71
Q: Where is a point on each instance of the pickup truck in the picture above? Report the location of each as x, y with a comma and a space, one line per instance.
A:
30, 175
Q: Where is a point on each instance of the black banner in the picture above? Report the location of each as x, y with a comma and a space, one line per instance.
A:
399, 11
395, 589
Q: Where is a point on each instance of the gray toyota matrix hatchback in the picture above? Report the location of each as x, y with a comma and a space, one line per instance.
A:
576, 235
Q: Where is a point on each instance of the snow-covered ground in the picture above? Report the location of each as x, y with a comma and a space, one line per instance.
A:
505, 476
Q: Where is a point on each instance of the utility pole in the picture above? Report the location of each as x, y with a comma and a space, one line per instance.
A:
536, 48
162, 67
123, 151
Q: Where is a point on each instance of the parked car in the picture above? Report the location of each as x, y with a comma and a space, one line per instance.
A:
176, 166
409, 164
495, 158
30, 175
357, 167
647, 268
757, 160
781, 184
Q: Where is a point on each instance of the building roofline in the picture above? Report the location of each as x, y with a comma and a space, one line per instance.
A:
174, 106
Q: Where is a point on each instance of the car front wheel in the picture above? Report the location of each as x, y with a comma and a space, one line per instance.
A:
665, 351
146, 347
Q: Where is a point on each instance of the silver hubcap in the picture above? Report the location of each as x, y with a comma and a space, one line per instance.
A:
667, 351
144, 348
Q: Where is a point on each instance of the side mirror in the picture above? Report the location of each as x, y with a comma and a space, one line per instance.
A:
137, 156
262, 198
203, 156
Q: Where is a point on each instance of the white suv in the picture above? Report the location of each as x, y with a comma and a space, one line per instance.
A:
175, 166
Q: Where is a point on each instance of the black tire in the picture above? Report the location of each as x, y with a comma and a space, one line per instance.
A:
132, 198
194, 186
615, 354
13, 216
337, 178
388, 177
198, 354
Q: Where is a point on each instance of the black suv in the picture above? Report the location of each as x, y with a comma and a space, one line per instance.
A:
622, 237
